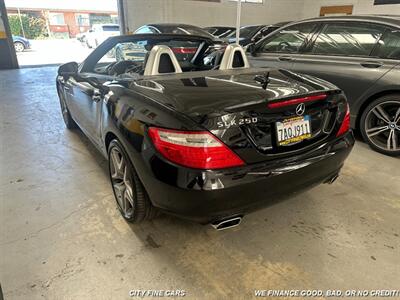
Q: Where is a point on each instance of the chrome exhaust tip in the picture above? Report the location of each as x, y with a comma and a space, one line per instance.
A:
227, 223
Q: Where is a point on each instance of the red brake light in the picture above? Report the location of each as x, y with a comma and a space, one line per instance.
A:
345, 123
184, 50
297, 101
193, 149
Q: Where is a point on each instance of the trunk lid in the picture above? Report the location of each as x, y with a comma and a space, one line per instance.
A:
241, 113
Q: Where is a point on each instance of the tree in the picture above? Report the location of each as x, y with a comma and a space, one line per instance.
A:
34, 27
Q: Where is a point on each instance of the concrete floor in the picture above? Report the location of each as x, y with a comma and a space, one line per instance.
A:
53, 51
62, 236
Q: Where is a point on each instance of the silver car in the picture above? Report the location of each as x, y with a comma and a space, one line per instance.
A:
359, 54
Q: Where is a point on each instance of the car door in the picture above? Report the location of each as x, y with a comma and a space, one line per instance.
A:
85, 96
342, 53
85, 104
277, 50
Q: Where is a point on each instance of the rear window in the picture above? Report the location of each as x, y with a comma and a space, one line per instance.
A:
111, 28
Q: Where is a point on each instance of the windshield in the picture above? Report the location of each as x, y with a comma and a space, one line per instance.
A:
111, 28
246, 31
131, 55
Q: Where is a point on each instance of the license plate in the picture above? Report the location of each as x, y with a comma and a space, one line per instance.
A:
293, 130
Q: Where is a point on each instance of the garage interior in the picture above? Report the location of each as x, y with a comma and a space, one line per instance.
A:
62, 236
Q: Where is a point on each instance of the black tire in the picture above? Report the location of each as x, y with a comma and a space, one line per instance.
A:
382, 113
138, 208
69, 122
19, 47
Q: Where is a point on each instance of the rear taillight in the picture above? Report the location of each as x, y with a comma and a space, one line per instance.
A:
184, 50
297, 101
345, 126
193, 149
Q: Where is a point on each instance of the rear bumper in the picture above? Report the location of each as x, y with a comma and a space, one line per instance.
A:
207, 196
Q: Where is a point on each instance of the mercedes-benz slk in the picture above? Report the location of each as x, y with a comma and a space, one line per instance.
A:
208, 138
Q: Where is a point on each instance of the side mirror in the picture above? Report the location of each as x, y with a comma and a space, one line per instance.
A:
68, 69
90, 30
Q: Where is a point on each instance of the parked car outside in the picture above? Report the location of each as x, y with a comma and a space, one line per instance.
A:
205, 144
220, 31
252, 33
359, 54
20, 43
99, 33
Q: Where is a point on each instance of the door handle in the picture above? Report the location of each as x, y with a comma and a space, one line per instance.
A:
285, 58
372, 64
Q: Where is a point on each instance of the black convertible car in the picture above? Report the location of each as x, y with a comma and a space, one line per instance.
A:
204, 139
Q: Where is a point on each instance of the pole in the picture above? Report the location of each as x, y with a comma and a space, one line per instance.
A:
8, 58
20, 21
238, 15
123, 26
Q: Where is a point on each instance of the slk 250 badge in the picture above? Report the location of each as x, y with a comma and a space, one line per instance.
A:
236, 122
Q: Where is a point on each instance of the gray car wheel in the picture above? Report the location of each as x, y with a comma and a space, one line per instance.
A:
19, 47
380, 124
129, 192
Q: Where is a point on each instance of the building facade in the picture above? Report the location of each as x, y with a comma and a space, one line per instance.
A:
70, 18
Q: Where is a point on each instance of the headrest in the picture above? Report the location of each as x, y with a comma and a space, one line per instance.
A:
161, 60
234, 57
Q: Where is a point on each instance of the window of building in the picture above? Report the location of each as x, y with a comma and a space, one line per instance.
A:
102, 19
82, 19
382, 2
56, 19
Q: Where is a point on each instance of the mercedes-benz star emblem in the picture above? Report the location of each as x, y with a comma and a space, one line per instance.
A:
300, 109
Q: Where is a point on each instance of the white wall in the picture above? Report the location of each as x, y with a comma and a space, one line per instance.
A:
312, 7
202, 13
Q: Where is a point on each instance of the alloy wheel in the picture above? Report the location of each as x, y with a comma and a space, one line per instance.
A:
382, 126
122, 182
19, 47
